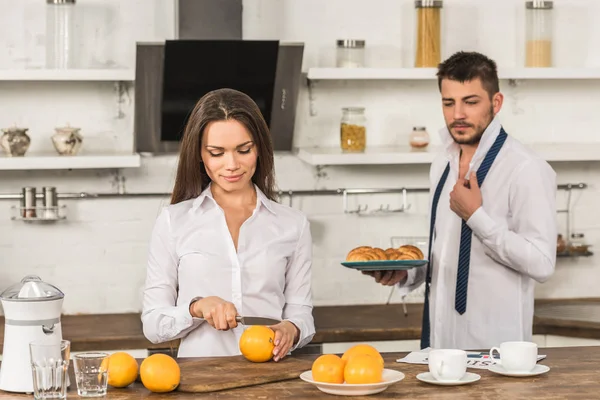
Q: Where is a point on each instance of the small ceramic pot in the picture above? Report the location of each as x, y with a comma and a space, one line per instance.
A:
67, 140
15, 141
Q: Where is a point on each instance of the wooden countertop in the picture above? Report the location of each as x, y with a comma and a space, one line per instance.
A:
569, 317
573, 374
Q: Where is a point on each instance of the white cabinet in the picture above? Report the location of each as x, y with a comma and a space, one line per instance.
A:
135, 353
564, 341
384, 346
388, 346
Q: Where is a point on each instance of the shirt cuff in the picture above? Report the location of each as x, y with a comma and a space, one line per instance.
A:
481, 223
195, 319
301, 338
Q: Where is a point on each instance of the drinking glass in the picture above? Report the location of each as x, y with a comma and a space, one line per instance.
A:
91, 374
50, 366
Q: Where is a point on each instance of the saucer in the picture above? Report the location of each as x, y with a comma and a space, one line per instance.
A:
537, 370
356, 389
469, 377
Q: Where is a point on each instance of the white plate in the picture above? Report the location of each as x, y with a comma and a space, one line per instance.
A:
345, 389
537, 370
469, 377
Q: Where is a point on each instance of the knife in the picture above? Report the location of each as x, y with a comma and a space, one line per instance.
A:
244, 320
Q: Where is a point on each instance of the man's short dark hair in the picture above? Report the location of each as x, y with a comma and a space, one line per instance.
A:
466, 66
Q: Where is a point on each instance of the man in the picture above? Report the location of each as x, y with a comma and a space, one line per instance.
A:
493, 230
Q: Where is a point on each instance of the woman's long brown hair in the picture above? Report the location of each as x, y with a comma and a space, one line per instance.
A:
221, 105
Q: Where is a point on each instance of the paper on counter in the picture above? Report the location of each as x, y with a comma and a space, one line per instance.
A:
482, 362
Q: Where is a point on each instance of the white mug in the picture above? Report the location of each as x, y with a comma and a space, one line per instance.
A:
447, 365
516, 356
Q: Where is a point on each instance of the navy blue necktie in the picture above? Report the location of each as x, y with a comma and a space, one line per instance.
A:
464, 256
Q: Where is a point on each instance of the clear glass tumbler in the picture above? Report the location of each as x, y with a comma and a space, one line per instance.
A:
91, 374
50, 366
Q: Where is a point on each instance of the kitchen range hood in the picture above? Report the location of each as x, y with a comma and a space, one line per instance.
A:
171, 76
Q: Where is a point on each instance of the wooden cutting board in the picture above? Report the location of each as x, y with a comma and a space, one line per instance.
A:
220, 373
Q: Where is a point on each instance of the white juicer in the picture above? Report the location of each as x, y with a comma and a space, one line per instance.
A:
32, 310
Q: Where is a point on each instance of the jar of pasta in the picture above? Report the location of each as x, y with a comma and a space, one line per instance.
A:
429, 25
353, 129
539, 22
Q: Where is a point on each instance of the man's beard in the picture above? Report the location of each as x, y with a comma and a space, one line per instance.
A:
479, 129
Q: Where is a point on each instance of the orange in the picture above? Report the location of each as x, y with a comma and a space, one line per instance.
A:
362, 349
328, 368
160, 373
363, 368
257, 343
122, 369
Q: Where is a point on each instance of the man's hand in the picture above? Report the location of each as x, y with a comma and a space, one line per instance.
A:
465, 198
387, 278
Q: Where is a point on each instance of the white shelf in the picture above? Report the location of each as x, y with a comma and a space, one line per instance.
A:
552, 152
53, 161
67, 75
372, 155
429, 73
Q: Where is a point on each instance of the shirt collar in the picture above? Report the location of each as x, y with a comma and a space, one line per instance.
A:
262, 199
487, 140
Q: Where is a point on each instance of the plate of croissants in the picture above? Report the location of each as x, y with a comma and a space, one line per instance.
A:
367, 258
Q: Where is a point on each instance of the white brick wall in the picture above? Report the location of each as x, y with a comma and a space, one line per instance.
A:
97, 256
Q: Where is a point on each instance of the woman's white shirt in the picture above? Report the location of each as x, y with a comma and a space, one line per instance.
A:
191, 254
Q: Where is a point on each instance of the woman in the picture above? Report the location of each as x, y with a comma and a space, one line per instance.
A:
224, 247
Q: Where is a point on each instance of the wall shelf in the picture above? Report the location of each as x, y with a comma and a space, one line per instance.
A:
85, 161
429, 73
552, 152
108, 75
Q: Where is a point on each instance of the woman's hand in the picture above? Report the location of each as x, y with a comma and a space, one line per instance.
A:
286, 334
220, 314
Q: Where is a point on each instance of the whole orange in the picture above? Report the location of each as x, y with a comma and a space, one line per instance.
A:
362, 349
363, 368
160, 373
257, 343
122, 369
328, 368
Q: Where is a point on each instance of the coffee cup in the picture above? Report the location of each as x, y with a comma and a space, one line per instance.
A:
516, 356
447, 365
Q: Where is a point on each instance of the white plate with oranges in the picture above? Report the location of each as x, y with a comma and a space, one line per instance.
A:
358, 372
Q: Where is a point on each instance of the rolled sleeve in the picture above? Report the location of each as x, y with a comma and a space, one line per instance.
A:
298, 294
162, 318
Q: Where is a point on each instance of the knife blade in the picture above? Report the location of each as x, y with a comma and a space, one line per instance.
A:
245, 320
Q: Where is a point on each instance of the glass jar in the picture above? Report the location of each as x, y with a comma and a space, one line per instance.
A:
561, 244
538, 35
429, 26
353, 129
578, 246
419, 138
60, 34
350, 53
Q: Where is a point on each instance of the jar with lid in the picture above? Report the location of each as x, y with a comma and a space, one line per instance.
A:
419, 138
60, 34
353, 129
350, 53
578, 246
429, 32
538, 35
